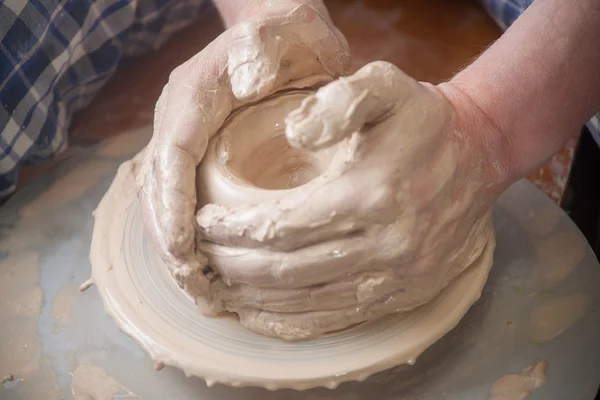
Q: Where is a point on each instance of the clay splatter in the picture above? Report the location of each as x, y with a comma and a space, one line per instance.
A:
519, 386
555, 316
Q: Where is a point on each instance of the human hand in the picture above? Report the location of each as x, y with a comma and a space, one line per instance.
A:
286, 45
383, 231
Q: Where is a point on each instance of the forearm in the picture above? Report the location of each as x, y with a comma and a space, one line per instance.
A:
540, 82
234, 11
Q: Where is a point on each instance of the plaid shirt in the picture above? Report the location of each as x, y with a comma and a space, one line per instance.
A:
56, 54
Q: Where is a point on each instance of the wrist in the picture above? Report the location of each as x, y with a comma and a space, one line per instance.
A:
485, 136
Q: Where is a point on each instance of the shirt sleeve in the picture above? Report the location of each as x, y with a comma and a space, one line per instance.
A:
505, 12
56, 55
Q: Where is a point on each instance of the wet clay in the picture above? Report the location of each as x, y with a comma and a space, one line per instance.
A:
519, 386
93, 383
553, 317
250, 160
278, 289
140, 295
86, 285
248, 163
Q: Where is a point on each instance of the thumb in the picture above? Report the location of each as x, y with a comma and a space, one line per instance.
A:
344, 106
285, 44
254, 59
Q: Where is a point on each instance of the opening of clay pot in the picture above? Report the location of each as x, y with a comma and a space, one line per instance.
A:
254, 148
274, 165
250, 159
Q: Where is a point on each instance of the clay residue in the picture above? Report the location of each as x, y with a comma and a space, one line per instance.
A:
86, 285
93, 383
68, 188
557, 256
519, 386
23, 371
542, 222
26, 305
40, 384
20, 304
63, 304
18, 274
553, 317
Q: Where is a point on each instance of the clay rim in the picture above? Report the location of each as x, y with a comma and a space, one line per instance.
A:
215, 176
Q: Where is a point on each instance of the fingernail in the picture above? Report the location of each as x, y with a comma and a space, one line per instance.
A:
253, 64
250, 80
244, 80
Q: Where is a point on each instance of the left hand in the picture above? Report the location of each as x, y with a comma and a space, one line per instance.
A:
384, 231
275, 45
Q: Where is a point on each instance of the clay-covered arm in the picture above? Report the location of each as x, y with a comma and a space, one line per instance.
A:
235, 11
540, 82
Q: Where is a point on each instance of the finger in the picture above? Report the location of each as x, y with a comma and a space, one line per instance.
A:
352, 291
185, 266
322, 210
191, 108
319, 211
306, 325
314, 265
407, 292
285, 45
343, 107
306, 27
253, 61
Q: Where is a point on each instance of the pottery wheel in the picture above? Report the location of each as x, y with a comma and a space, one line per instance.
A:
541, 261
144, 300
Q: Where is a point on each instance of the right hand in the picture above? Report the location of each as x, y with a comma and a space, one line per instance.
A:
279, 46
384, 229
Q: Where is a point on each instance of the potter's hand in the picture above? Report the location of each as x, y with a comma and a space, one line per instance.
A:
277, 46
385, 230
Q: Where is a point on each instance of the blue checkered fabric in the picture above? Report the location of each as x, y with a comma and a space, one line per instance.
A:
505, 12
56, 54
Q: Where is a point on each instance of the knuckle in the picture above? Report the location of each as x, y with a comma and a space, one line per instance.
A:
304, 12
380, 69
